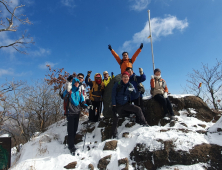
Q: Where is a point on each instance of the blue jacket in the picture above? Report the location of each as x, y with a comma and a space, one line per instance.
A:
121, 93
76, 98
135, 83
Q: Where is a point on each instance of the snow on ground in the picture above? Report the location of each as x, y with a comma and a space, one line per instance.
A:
173, 95
4, 135
199, 166
213, 134
46, 151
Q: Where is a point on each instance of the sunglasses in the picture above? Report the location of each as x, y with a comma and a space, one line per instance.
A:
80, 77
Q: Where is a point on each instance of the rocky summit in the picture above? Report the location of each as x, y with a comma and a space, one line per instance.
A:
192, 141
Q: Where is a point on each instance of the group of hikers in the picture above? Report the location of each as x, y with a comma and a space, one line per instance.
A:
126, 95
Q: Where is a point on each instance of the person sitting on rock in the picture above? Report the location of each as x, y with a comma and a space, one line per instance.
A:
125, 62
95, 95
75, 102
107, 78
121, 96
159, 92
136, 81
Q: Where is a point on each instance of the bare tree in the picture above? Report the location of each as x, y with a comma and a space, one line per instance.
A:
7, 25
8, 87
29, 109
211, 79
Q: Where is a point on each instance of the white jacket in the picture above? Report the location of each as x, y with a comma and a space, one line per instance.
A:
68, 86
82, 90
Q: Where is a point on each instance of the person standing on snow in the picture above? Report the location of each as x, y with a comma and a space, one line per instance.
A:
75, 102
125, 62
95, 95
107, 78
121, 94
159, 92
136, 81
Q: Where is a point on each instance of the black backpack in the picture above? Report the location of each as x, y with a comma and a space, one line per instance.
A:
141, 86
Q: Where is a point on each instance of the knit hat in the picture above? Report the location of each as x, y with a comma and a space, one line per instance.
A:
156, 70
125, 73
98, 75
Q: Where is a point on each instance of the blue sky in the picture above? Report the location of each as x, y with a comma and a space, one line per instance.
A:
74, 35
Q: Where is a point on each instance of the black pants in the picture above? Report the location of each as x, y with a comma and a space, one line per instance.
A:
165, 102
92, 113
129, 108
73, 122
138, 102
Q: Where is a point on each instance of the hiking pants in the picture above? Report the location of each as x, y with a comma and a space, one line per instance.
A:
165, 102
73, 122
129, 108
92, 113
138, 102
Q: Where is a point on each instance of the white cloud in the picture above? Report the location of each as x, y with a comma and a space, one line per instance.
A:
40, 52
43, 66
160, 28
9, 71
140, 5
68, 3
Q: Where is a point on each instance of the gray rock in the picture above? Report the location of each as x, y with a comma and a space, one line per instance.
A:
107, 97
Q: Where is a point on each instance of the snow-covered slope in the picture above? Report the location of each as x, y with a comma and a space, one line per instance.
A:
47, 151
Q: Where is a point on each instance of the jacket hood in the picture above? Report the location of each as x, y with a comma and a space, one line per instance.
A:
74, 88
95, 76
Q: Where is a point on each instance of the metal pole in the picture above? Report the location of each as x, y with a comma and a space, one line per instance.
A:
151, 42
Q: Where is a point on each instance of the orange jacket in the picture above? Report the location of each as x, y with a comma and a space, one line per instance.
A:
126, 62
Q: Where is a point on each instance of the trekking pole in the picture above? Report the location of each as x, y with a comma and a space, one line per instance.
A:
85, 137
151, 42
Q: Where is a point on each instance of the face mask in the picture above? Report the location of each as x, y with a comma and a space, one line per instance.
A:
158, 77
98, 81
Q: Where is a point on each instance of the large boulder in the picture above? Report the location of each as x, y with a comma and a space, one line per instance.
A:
154, 112
107, 97
143, 158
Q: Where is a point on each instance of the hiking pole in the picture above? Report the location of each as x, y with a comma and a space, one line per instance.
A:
85, 137
151, 42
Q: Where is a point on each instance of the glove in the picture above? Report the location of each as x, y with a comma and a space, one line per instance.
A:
165, 95
114, 109
111, 74
89, 72
141, 46
152, 77
90, 107
141, 71
109, 47
139, 88
83, 105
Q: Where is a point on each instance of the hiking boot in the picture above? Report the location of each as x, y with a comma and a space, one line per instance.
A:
173, 118
115, 137
167, 116
72, 151
145, 125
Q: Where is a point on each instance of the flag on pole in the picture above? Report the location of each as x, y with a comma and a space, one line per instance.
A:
149, 36
200, 85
